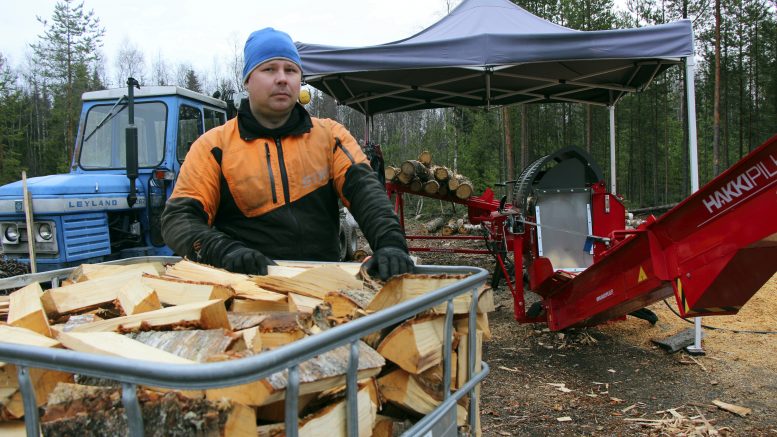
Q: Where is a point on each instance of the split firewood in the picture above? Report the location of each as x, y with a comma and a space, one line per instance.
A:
302, 304
259, 306
135, 297
415, 345
346, 302
85, 410
425, 158
117, 345
408, 286
431, 186
209, 314
434, 225
317, 374
192, 271
173, 291
252, 338
43, 380
390, 427
332, 418
283, 328
313, 283
276, 411
86, 272
463, 356
461, 323
83, 296
26, 310
432, 378
391, 173
240, 321
195, 345
415, 168
402, 389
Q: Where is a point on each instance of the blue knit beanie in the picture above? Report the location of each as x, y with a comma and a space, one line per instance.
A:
267, 44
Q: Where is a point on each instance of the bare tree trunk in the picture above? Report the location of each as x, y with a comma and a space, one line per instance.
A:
716, 97
524, 137
588, 128
509, 160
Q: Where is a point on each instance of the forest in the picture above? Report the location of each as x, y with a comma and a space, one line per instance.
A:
736, 100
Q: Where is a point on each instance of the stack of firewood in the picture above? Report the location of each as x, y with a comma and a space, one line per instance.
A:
191, 313
420, 176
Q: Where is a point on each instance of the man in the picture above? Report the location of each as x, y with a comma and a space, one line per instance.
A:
266, 184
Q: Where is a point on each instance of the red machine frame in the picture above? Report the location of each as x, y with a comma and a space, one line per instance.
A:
713, 251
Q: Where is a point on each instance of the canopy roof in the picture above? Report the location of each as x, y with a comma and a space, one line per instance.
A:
493, 52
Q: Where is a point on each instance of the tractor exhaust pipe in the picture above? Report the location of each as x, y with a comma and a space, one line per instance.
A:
132, 141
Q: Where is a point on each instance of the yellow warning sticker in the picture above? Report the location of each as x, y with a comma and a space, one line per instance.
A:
642, 275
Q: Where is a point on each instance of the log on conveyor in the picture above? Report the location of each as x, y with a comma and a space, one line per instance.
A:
415, 168
441, 173
391, 173
464, 189
425, 158
416, 185
87, 410
431, 186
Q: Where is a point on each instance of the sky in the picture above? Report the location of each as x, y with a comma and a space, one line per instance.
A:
204, 33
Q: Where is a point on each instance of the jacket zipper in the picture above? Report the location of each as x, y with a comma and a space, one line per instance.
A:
269, 172
286, 196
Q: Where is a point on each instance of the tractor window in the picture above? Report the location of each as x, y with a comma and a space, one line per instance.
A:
104, 145
214, 118
189, 129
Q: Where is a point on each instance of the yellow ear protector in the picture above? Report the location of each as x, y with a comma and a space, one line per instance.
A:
304, 96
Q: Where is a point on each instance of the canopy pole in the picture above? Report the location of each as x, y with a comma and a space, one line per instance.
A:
613, 164
690, 63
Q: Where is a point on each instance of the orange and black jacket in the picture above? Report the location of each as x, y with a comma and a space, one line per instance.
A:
276, 191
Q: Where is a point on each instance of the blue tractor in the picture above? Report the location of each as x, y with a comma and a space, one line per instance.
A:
130, 145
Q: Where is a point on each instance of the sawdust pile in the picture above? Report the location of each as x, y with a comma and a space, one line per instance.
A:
759, 314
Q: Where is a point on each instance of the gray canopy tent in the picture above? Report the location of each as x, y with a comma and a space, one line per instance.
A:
493, 52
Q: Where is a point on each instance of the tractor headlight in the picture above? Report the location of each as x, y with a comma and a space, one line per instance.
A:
11, 234
44, 231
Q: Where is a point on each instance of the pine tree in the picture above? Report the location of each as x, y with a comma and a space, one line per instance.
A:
192, 82
65, 51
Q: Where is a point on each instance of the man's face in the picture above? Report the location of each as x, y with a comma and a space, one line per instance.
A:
273, 88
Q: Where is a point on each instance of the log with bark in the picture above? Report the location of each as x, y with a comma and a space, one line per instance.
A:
441, 173
416, 185
415, 168
210, 314
391, 173
434, 225
87, 410
464, 189
431, 187
346, 303
425, 158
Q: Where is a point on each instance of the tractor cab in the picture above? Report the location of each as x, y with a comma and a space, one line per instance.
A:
107, 206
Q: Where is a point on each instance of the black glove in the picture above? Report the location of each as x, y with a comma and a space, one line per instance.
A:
241, 259
389, 261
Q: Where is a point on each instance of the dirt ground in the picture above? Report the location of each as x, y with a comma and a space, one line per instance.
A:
611, 380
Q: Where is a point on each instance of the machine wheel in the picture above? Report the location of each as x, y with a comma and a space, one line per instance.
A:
345, 242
